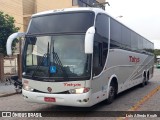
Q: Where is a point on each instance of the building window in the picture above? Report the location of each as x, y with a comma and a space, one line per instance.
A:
83, 3
74, 2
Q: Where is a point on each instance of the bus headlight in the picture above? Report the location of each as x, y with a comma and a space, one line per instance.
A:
28, 88
79, 90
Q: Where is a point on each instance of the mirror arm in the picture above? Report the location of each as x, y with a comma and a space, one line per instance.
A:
89, 38
10, 40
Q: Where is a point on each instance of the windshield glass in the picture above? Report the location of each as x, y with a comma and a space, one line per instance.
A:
56, 57
67, 22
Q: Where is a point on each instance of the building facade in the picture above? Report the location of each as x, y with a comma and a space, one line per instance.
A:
22, 10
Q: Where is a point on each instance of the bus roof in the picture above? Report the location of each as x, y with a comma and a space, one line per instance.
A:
95, 10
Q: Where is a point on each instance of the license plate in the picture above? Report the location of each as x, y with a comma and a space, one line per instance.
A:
49, 99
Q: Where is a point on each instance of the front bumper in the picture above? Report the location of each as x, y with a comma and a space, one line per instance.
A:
78, 100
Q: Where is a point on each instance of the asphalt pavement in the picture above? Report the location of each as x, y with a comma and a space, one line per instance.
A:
6, 89
136, 99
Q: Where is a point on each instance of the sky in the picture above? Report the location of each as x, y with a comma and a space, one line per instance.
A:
143, 16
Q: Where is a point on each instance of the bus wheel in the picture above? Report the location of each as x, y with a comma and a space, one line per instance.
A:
111, 93
143, 82
147, 79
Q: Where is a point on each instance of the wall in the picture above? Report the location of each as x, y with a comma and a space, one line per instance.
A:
28, 7
14, 9
43, 5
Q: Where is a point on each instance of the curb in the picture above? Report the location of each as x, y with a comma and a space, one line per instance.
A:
7, 94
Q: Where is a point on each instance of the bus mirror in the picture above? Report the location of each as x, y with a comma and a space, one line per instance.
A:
10, 40
89, 37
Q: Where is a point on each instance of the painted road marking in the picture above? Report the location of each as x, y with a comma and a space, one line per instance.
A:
141, 102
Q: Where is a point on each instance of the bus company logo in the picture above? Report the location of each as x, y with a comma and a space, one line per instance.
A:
49, 89
134, 59
72, 84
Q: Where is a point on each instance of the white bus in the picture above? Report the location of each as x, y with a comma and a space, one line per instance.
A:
80, 57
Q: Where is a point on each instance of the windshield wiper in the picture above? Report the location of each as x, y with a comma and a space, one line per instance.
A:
59, 63
46, 55
38, 66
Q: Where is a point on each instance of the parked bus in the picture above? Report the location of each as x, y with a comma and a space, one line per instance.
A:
158, 62
80, 57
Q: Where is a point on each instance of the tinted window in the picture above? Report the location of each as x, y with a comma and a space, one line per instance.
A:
115, 31
134, 41
126, 37
144, 44
140, 43
105, 51
101, 36
152, 47
97, 58
62, 23
102, 25
100, 53
148, 45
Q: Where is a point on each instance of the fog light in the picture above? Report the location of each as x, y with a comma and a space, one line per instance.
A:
86, 100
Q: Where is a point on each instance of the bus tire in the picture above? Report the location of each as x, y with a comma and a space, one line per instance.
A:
111, 93
143, 82
147, 79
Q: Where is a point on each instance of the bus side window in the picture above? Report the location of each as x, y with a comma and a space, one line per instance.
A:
105, 51
97, 58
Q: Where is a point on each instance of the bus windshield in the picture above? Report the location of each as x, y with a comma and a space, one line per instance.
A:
67, 22
56, 56
54, 47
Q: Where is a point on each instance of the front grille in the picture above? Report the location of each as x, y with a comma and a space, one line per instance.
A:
64, 92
